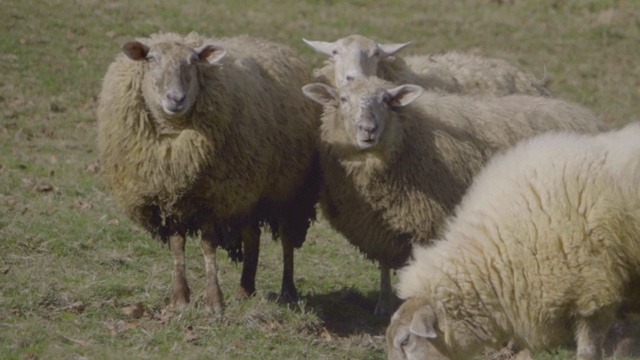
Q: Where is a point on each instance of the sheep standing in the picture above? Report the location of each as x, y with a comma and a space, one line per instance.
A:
392, 172
482, 75
211, 136
544, 248
454, 72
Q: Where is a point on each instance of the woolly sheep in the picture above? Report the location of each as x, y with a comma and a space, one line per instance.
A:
477, 74
358, 56
543, 248
392, 172
211, 136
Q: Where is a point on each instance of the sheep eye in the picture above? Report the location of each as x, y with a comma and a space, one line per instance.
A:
152, 59
335, 52
405, 341
343, 99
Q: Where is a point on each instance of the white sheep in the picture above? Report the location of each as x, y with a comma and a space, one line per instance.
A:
544, 248
211, 136
392, 172
455, 72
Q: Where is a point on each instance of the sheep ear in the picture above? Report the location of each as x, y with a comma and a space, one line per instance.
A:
135, 50
320, 93
323, 47
424, 322
390, 49
403, 95
210, 53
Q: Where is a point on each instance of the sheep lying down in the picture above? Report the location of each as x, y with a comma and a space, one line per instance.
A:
543, 248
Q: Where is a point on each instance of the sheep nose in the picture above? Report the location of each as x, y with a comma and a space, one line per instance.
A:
367, 127
176, 98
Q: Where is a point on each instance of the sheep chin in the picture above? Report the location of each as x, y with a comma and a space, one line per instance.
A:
171, 109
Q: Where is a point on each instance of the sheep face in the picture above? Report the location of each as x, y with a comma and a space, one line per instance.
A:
171, 84
354, 56
361, 110
413, 333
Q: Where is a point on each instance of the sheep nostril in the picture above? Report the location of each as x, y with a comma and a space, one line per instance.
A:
350, 78
369, 128
177, 98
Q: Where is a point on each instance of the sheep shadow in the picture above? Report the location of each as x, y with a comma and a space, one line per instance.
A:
347, 312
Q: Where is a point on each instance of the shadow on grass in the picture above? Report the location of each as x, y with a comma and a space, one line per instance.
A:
348, 312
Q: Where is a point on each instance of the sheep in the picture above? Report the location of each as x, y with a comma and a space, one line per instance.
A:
211, 136
483, 75
544, 248
392, 172
357, 56
454, 72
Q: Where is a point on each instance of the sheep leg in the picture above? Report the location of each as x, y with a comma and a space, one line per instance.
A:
213, 297
181, 292
251, 249
288, 292
386, 298
590, 334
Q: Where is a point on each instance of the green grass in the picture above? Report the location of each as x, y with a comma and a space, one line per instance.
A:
70, 262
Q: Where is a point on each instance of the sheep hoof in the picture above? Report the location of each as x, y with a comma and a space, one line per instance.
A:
215, 303
283, 298
287, 298
243, 293
180, 298
217, 309
179, 303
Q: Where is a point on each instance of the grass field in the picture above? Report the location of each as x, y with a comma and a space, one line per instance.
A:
78, 280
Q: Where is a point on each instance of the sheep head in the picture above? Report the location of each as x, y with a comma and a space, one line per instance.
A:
413, 331
171, 79
355, 56
363, 108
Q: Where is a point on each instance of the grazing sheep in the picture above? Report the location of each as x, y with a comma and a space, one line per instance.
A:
358, 56
544, 248
211, 136
392, 172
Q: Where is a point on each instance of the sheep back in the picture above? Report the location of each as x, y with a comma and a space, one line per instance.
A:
477, 74
420, 70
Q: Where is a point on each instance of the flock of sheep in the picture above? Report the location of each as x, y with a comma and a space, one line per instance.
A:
512, 215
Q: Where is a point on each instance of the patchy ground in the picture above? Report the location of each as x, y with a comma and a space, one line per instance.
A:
79, 280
